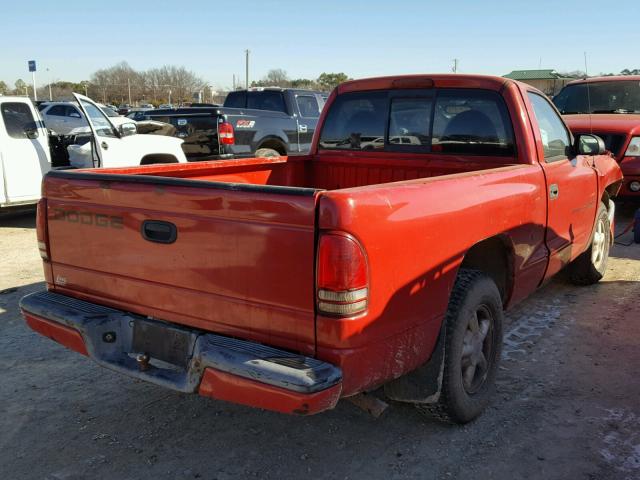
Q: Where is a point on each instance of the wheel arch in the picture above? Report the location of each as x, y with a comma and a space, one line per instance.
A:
495, 257
274, 142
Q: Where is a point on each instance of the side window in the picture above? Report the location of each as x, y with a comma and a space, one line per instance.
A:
57, 110
73, 112
308, 106
17, 118
236, 100
266, 100
410, 121
356, 121
98, 119
555, 138
472, 122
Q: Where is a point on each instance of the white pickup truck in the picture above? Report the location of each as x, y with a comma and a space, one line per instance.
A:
26, 152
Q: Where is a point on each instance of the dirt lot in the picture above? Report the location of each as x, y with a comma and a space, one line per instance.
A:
568, 403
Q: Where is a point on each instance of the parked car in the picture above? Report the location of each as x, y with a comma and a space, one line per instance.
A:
66, 118
289, 283
610, 108
29, 150
123, 109
265, 122
62, 117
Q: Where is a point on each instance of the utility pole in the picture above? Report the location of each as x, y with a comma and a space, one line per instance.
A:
247, 68
35, 93
129, 87
234, 81
50, 95
455, 66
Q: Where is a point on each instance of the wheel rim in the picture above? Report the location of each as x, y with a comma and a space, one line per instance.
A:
477, 349
599, 244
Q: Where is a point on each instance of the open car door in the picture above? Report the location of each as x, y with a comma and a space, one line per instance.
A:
109, 143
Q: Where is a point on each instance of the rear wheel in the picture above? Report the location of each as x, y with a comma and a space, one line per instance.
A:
473, 344
266, 153
590, 266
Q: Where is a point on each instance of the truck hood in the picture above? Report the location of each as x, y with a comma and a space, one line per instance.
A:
622, 124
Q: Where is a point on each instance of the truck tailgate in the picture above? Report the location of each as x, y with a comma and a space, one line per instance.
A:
241, 263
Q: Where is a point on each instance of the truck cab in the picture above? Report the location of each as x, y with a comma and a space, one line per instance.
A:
281, 120
24, 152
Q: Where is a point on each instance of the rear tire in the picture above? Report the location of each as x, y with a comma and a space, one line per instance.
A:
266, 153
473, 344
590, 266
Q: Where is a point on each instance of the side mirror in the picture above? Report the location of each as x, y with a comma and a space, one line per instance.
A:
127, 129
590, 145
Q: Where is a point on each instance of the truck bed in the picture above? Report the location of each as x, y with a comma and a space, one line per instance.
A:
328, 172
242, 258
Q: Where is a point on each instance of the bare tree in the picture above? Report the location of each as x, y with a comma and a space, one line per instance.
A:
113, 84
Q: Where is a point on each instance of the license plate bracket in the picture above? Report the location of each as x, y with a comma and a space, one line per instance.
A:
163, 342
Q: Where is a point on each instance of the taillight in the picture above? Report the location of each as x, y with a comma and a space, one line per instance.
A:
342, 276
225, 133
41, 229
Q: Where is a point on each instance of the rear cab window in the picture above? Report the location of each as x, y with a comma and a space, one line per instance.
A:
266, 100
443, 121
236, 100
356, 121
17, 118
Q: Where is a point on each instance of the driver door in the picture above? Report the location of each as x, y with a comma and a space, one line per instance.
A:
110, 146
572, 186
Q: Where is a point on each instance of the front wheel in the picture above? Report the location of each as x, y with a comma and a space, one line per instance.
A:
590, 266
473, 343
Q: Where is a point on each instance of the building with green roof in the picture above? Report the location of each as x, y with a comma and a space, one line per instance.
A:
549, 81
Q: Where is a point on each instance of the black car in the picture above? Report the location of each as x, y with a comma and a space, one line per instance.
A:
256, 122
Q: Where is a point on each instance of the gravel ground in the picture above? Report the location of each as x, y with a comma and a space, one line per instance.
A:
567, 405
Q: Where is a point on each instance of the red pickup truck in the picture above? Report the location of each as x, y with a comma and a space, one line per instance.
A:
610, 108
386, 256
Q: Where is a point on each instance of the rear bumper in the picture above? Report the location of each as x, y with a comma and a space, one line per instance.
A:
225, 368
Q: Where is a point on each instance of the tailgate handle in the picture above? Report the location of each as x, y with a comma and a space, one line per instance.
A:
159, 231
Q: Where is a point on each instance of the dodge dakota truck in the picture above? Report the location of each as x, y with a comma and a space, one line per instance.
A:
288, 283
610, 108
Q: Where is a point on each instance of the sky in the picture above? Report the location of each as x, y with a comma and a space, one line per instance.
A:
360, 38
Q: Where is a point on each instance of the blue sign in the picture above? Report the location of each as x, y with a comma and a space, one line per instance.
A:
32, 65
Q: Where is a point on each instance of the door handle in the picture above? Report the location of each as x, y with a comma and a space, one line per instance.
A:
158, 231
554, 191
105, 145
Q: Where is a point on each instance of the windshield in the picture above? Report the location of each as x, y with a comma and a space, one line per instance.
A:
603, 97
108, 112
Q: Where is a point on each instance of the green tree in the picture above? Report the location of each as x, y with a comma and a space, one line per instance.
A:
304, 83
3, 88
329, 81
21, 87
